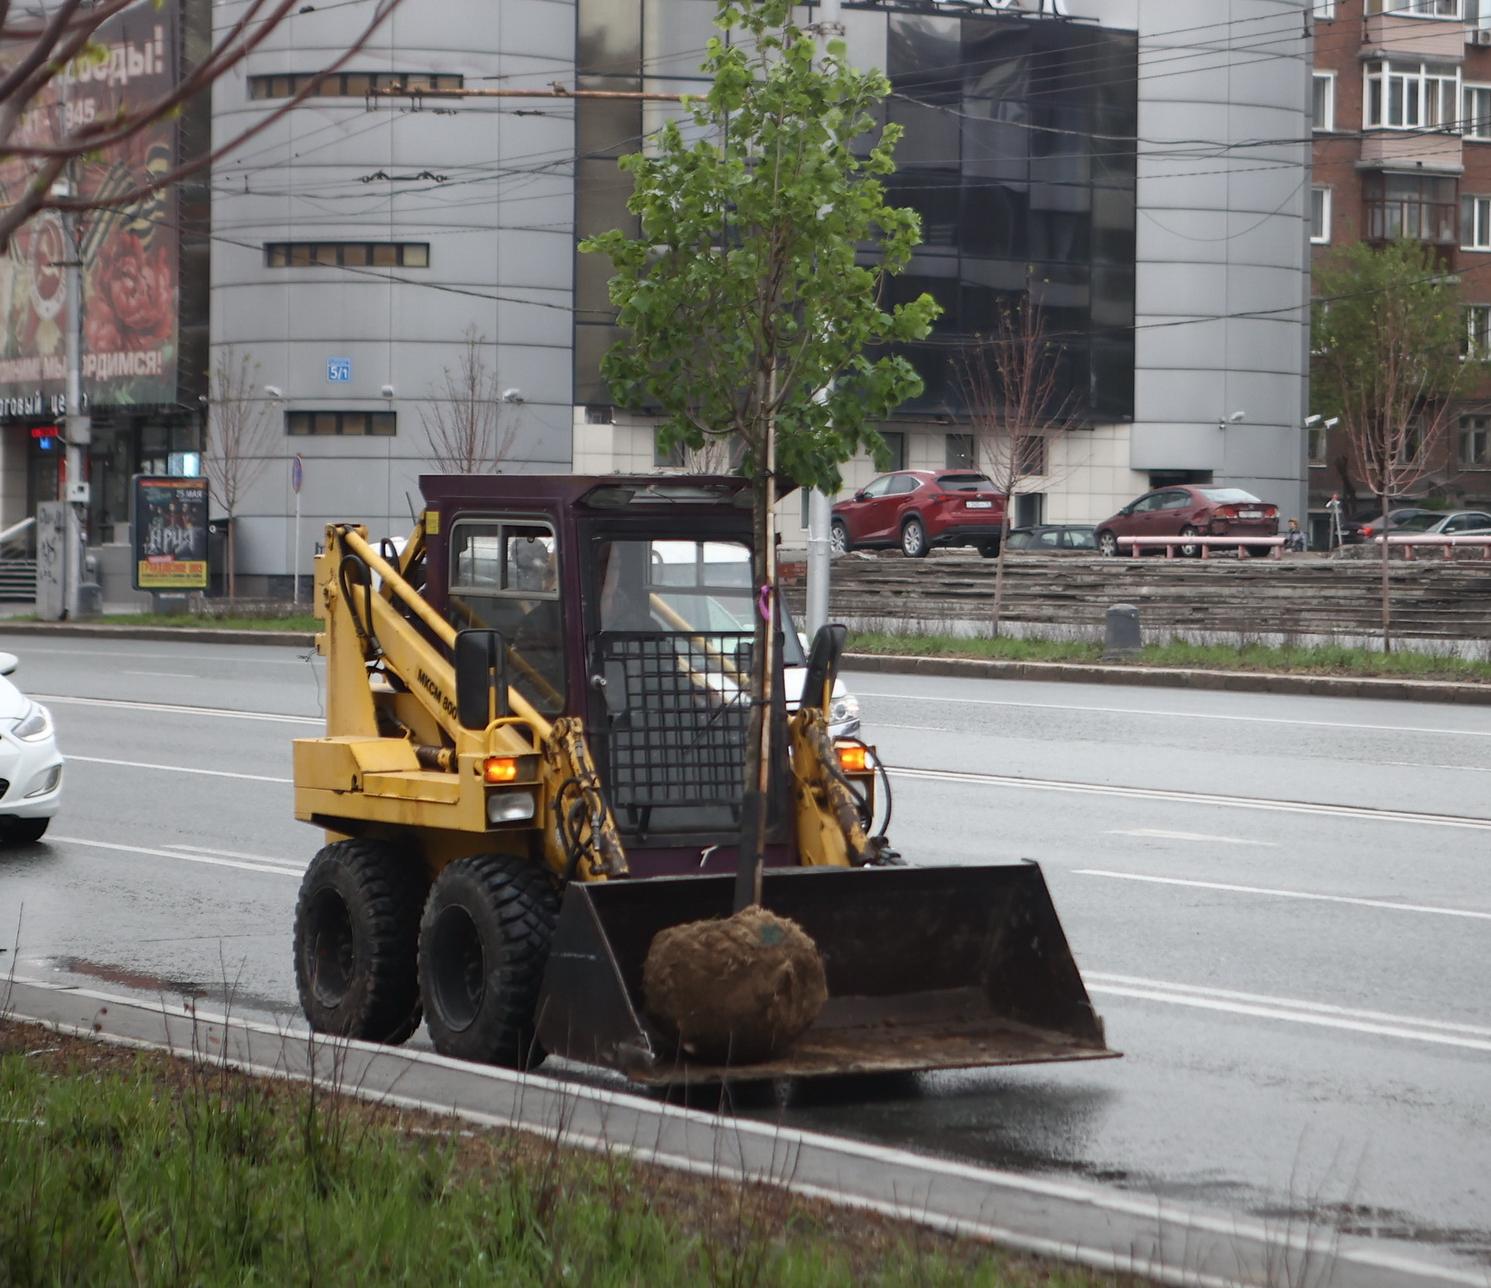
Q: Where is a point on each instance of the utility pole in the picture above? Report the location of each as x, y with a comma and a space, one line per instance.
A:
830, 26
77, 427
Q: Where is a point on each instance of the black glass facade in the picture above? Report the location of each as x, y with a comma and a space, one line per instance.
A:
1017, 151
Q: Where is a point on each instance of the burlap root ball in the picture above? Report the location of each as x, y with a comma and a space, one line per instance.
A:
737, 990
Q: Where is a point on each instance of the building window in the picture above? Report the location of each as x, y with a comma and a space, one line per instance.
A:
1325, 101
1477, 333
674, 457
1325, 9
1475, 442
600, 414
895, 446
1475, 223
349, 84
1320, 215
1477, 110
1315, 441
1419, 207
1411, 96
1416, 8
959, 452
347, 424
347, 254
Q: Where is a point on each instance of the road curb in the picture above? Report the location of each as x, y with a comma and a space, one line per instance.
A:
1175, 678
191, 634
957, 667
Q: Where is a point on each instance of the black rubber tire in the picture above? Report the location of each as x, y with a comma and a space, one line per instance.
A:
838, 538
483, 944
1253, 552
913, 539
23, 831
1107, 544
357, 941
989, 550
1194, 552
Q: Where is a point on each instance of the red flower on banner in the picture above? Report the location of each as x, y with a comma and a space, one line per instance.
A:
131, 301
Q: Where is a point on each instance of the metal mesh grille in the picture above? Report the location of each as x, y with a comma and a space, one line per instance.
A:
679, 710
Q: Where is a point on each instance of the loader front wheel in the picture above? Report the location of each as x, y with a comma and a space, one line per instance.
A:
483, 944
356, 940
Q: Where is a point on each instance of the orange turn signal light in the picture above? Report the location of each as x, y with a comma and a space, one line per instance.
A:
500, 769
854, 758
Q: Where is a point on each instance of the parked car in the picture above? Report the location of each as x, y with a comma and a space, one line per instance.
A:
1186, 510
1055, 538
1460, 523
30, 764
919, 509
1407, 518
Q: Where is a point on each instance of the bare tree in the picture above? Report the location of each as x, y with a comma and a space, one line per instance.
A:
1017, 408
44, 51
465, 428
241, 436
1390, 347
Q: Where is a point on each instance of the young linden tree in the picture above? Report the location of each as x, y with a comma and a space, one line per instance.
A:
752, 301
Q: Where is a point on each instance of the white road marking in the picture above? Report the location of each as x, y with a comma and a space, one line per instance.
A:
167, 708
1186, 715
1364, 812
1160, 834
167, 675
228, 854
271, 868
1270, 1012
234, 660
178, 769
1386, 905
1292, 1003
1418, 764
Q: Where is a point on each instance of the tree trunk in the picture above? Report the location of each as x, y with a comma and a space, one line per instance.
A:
1004, 535
1387, 600
232, 562
755, 801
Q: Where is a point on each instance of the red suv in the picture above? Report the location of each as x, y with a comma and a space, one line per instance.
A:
919, 509
1187, 510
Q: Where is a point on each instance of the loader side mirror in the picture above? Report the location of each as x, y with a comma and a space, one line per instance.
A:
823, 661
481, 677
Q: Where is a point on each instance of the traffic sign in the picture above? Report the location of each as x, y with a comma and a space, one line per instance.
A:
297, 473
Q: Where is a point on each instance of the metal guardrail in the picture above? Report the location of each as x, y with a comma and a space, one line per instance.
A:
1137, 545
1409, 541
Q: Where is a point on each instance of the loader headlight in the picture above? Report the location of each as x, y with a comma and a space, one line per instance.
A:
35, 725
509, 807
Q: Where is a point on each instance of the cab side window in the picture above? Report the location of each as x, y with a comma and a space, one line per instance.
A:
504, 575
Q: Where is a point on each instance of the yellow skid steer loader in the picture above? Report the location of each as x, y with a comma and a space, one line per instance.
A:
534, 760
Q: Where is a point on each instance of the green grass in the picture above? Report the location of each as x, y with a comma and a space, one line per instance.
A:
1325, 659
296, 622
122, 1168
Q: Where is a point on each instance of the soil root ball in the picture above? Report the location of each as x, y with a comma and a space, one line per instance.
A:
737, 990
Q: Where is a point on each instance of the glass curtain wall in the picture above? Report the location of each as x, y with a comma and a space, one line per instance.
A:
1018, 152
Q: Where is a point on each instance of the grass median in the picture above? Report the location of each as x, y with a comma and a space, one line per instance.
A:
1326, 659
126, 1167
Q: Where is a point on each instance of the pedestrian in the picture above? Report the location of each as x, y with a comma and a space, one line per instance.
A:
1294, 539
1338, 537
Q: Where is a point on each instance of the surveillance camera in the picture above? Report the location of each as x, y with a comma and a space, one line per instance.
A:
1236, 417
273, 391
388, 391
1312, 421
512, 395
1333, 422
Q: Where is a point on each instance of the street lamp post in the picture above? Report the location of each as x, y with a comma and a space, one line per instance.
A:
77, 427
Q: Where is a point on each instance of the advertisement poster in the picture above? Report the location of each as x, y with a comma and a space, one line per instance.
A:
169, 533
130, 256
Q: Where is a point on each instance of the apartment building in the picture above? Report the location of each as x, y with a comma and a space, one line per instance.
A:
1402, 148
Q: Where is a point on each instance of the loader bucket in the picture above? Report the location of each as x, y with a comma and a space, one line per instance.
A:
928, 968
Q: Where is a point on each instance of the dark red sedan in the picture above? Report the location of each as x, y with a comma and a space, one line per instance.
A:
919, 509
1191, 510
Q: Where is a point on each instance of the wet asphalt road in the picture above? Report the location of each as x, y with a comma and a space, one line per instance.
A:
1284, 917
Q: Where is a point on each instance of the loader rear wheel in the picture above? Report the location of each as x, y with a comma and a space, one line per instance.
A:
483, 943
356, 940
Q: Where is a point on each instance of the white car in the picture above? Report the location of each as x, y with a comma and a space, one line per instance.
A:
30, 764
